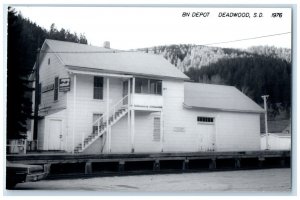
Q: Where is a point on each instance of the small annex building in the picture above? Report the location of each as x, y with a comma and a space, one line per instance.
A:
99, 100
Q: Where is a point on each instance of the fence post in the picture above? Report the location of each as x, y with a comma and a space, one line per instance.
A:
25, 146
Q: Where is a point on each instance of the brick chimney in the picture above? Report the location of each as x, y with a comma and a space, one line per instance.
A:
106, 44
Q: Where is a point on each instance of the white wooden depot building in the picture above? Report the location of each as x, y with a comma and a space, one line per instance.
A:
100, 100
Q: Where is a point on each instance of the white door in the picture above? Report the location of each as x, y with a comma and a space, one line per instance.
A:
207, 137
55, 134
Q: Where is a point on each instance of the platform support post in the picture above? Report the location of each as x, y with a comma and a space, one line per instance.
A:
121, 166
261, 162
185, 165
237, 163
47, 168
156, 165
88, 168
282, 162
212, 164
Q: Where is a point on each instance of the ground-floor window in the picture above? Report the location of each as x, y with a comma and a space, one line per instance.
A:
156, 129
96, 116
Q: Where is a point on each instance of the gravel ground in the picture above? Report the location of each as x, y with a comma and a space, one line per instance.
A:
267, 180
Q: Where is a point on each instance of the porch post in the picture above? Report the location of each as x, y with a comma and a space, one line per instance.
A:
128, 113
107, 116
161, 132
74, 113
132, 115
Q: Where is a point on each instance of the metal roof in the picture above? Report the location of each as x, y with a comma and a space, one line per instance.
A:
92, 57
218, 97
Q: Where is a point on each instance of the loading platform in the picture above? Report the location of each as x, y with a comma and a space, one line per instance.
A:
68, 165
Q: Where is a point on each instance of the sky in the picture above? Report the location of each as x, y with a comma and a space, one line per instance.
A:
136, 27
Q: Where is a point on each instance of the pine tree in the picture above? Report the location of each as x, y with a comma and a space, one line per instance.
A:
24, 38
18, 106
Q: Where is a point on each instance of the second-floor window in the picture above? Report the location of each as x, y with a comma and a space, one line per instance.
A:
56, 89
98, 87
148, 86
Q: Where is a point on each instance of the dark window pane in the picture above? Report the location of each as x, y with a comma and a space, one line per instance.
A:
155, 87
98, 87
138, 85
141, 85
205, 119
159, 87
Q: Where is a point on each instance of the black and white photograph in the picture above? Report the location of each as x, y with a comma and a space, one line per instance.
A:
108, 99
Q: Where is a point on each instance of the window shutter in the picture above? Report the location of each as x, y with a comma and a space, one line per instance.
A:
156, 129
56, 89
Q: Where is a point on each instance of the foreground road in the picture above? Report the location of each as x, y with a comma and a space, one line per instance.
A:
271, 180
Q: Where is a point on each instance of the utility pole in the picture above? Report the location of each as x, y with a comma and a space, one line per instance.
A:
36, 96
265, 97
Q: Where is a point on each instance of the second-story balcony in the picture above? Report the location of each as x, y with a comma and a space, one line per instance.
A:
146, 93
147, 101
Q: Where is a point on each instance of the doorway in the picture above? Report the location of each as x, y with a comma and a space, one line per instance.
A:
55, 137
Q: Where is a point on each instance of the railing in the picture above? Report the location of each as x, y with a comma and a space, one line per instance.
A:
119, 105
104, 120
17, 146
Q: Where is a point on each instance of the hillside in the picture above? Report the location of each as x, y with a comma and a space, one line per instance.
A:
186, 56
255, 71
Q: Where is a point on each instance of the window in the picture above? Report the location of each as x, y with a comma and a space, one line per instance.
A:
208, 120
155, 87
96, 116
39, 91
156, 129
148, 86
141, 85
56, 89
48, 61
98, 87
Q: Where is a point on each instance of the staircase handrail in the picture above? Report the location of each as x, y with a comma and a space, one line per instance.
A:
112, 108
100, 120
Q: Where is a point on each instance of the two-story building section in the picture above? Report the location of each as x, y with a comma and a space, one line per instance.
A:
100, 100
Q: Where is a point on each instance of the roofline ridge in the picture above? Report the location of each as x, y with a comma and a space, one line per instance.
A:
61, 60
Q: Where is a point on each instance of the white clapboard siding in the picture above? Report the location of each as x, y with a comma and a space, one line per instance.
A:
48, 72
233, 131
178, 134
41, 135
238, 132
86, 106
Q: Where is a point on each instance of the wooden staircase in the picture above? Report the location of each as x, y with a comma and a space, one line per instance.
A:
118, 111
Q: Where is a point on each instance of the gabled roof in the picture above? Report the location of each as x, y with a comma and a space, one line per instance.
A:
92, 57
218, 97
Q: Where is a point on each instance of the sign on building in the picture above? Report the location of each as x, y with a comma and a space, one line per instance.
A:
64, 84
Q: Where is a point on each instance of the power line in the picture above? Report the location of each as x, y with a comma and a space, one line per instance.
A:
264, 36
125, 51
113, 51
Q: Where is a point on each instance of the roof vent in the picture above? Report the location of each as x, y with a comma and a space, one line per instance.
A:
106, 44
